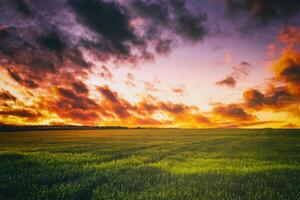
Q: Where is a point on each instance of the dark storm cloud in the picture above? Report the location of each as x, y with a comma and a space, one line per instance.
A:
106, 19
263, 11
188, 25
172, 15
22, 6
163, 46
45, 39
52, 41
153, 10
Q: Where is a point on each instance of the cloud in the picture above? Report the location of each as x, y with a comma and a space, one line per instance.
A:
174, 108
7, 96
80, 87
181, 89
78, 107
144, 112
284, 92
152, 86
54, 39
263, 12
287, 69
203, 120
22, 6
233, 111
254, 98
76, 100
173, 16
241, 70
290, 125
228, 81
130, 80
148, 107
74, 103
163, 46
108, 20
238, 72
106, 73
83, 117
29, 115
119, 106
275, 98
50, 47
289, 36
30, 84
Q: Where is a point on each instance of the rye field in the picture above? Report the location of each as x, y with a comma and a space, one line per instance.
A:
151, 164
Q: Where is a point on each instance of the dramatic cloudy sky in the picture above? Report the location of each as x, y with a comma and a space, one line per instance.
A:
150, 63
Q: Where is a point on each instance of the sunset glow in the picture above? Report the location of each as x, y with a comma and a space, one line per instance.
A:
190, 64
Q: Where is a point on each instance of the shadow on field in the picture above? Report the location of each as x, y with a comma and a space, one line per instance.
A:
30, 177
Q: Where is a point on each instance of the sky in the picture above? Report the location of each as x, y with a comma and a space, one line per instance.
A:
135, 63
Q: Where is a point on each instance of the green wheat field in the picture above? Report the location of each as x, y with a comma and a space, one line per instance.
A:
151, 164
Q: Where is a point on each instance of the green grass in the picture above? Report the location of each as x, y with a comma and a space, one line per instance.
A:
151, 164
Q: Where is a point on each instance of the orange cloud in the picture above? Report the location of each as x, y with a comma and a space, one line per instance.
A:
7, 96
203, 120
118, 105
289, 36
284, 93
71, 101
233, 111
290, 125
274, 98
28, 115
287, 69
74, 104
152, 122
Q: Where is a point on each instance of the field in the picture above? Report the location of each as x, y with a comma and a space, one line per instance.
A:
151, 164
